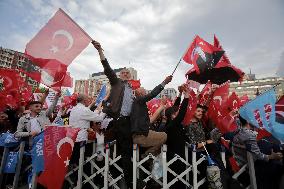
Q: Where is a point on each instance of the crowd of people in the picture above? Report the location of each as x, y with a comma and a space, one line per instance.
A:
124, 116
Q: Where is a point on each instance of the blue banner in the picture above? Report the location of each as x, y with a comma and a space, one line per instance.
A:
101, 95
260, 112
11, 162
8, 140
37, 153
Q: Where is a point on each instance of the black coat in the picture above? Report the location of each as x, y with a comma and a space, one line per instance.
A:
175, 132
139, 117
113, 104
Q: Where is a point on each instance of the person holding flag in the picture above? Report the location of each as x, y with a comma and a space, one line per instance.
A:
140, 121
118, 106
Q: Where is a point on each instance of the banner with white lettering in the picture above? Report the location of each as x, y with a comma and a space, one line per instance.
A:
37, 153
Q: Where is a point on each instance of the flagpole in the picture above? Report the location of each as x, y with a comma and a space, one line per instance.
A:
176, 66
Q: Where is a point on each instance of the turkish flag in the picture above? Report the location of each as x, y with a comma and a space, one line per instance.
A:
205, 93
193, 84
202, 55
58, 147
233, 102
226, 123
135, 84
243, 100
217, 108
56, 45
9, 80
155, 103
191, 107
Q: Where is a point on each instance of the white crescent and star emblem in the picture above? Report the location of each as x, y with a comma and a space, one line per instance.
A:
60, 143
47, 79
235, 102
66, 34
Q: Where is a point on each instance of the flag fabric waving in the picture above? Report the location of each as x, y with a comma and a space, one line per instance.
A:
56, 45
192, 104
58, 147
202, 55
101, 95
260, 112
135, 84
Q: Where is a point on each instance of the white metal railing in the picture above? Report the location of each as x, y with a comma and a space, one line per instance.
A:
111, 162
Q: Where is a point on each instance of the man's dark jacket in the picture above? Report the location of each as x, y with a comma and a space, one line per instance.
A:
113, 104
139, 118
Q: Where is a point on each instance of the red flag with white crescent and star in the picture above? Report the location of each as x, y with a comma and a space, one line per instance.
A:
191, 107
58, 147
55, 46
205, 94
217, 109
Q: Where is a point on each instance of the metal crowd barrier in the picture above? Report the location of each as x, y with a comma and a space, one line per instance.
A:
111, 162
18, 167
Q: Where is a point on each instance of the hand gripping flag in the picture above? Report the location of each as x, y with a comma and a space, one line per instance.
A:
58, 147
56, 45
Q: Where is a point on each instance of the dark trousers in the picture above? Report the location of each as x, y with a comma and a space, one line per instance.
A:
122, 134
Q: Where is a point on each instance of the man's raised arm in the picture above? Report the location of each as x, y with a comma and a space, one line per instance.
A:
107, 69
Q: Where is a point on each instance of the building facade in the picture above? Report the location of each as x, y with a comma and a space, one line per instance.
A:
90, 87
252, 87
10, 59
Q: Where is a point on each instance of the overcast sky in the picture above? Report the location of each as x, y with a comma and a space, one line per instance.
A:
152, 35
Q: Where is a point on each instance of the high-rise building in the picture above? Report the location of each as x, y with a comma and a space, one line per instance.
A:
10, 59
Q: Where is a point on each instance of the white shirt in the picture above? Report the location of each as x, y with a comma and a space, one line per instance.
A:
35, 125
80, 117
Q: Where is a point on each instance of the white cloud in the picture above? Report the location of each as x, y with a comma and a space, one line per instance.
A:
152, 35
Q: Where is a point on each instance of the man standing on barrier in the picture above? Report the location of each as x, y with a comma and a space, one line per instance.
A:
140, 121
118, 106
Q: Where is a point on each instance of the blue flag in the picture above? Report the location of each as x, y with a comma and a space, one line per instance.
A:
101, 95
8, 140
37, 153
260, 112
11, 162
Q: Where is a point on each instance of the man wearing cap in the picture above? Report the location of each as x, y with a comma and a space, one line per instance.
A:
34, 122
